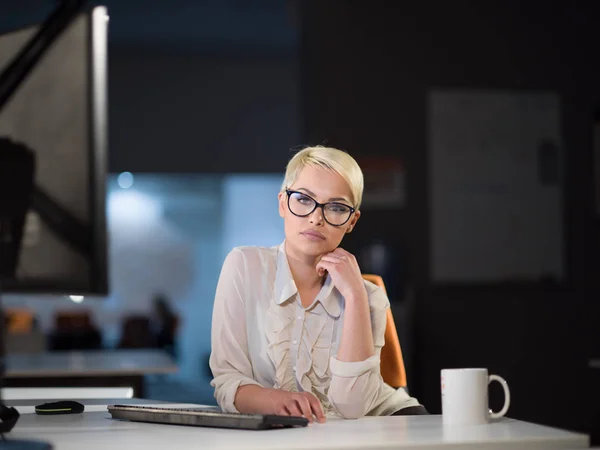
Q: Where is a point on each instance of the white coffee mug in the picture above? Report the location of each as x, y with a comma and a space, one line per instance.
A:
465, 396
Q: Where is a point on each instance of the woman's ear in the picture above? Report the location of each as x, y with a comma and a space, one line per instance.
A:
353, 221
281, 198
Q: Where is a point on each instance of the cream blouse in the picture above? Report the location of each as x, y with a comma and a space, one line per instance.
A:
261, 334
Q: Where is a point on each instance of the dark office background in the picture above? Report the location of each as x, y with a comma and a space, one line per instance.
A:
366, 72
228, 87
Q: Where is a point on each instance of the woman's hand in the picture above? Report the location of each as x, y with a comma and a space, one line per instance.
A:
344, 272
254, 399
302, 404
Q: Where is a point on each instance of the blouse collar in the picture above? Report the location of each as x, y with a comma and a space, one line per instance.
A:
285, 287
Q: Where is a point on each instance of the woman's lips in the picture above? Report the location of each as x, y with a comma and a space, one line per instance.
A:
314, 236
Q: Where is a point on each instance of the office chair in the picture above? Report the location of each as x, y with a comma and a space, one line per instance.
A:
136, 332
392, 363
75, 330
18, 321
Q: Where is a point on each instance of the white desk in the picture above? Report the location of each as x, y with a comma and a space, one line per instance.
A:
96, 431
64, 393
94, 368
27, 406
89, 363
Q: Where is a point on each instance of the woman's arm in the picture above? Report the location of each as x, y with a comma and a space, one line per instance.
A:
356, 382
235, 388
357, 339
356, 385
356, 343
229, 359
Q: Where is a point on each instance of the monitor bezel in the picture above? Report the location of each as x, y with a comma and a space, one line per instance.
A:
97, 86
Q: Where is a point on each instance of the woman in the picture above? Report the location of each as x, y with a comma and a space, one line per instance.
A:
296, 330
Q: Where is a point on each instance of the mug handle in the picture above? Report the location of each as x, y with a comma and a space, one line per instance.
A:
504, 385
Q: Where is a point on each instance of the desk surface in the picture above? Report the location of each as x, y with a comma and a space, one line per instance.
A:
27, 406
89, 363
97, 431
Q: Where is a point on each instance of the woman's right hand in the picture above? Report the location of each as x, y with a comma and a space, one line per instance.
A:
260, 400
303, 404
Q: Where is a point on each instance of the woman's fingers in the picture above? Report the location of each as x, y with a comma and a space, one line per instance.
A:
316, 407
332, 259
305, 407
342, 253
292, 408
302, 404
324, 266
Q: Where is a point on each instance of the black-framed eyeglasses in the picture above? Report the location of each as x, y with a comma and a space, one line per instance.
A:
334, 213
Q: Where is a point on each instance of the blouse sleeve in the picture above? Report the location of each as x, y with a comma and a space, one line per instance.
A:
356, 386
229, 359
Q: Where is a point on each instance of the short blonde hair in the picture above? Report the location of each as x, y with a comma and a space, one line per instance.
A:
331, 159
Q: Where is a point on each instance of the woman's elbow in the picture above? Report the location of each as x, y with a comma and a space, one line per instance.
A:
347, 405
350, 411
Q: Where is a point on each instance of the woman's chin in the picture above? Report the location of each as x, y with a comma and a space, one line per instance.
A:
315, 248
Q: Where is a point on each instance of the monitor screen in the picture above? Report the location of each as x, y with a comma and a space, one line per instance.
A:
53, 139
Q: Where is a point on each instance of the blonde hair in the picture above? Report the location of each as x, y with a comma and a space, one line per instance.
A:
331, 159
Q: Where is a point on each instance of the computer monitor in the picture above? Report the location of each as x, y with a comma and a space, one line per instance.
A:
53, 139
53, 164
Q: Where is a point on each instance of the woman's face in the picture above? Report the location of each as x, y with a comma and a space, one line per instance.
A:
313, 235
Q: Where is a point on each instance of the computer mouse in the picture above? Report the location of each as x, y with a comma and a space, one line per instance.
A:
61, 407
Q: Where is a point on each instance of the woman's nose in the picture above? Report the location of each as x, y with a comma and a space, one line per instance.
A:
317, 216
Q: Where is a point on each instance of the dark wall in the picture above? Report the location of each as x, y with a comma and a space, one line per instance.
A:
536, 338
367, 69
184, 110
195, 86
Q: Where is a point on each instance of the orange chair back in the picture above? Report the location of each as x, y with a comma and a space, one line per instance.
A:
18, 321
392, 363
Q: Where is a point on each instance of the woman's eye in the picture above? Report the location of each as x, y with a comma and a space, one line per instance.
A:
304, 199
338, 208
